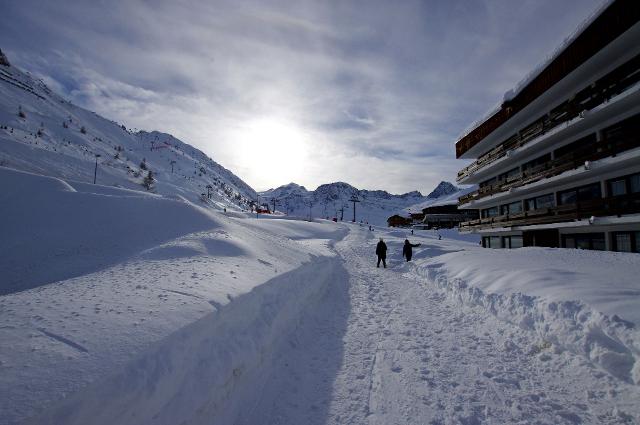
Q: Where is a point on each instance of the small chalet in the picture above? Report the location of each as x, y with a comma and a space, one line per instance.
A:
398, 221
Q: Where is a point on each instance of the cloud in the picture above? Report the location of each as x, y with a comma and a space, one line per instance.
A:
380, 89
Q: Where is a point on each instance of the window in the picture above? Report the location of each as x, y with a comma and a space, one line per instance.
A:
617, 187
584, 193
492, 181
536, 163
569, 197
542, 201
509, 175
490, 212
590, 192
491, 242
626, 241
622, 242
634, 183
593, 241
578, 148
623, 130
511, 242
516, 242
512, 208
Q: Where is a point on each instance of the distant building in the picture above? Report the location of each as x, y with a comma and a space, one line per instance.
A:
398, 221
558, 163
446, 216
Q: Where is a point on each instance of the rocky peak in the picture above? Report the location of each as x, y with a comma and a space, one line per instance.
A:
3, 59
443, 188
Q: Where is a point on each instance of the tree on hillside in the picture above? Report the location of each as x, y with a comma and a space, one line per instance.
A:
149, 181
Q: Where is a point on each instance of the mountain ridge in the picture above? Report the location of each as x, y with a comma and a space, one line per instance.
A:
43, 133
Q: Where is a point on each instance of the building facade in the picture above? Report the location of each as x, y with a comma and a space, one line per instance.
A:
558, 164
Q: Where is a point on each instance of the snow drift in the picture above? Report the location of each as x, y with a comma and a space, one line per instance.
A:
582, 301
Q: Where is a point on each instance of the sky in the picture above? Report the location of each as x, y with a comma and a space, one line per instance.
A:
373, 93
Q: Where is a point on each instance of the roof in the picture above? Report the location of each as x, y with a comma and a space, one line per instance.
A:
614, 20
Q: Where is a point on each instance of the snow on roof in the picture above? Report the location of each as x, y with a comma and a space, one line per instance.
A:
537, 70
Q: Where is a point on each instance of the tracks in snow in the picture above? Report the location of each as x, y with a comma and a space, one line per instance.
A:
407, 355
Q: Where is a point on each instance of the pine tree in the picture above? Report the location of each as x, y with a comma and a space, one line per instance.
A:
148, 181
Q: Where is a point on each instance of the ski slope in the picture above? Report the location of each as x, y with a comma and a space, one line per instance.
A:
186, 315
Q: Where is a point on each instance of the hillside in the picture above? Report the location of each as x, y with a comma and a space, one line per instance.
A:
41, 132
333, 199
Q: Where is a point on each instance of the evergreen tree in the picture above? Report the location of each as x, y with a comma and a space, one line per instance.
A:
148, 181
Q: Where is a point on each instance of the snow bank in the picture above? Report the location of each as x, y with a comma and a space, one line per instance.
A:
52, 230
582, 301
210, 369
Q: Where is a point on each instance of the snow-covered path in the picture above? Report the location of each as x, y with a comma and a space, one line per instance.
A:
389, 348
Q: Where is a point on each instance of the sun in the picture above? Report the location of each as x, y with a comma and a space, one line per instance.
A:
272, 151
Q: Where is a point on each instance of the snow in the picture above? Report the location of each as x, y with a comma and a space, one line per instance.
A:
375, 206
206, 317
49, 140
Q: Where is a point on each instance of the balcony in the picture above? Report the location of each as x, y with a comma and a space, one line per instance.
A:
612, 206
609, 86
571, 161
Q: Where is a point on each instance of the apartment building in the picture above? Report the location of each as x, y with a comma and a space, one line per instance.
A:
558, 163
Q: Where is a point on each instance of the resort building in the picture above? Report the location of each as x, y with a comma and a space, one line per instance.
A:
558, 163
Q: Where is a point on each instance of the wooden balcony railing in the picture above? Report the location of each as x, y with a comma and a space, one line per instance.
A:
557, 166
601, 91
612, 206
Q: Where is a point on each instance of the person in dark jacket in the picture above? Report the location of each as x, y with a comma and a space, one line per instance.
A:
381, 252
407, 252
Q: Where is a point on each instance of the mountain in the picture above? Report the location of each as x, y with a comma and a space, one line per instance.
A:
43, 133
444, 194
443, 188
333, 200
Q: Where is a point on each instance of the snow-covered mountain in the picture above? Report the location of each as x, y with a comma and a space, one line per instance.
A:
444, 194
333, 200
41, 132
443, 188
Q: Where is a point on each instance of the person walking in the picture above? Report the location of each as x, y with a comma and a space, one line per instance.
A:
381, 252
407, 251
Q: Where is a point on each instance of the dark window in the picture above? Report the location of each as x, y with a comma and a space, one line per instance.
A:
593, 241
568, 197
590, 192
490, 212
578, 148
617, 187
506, 242
626, 241
542, 201
583, 193
530, 204
545, 201
623, 130
494, 242
536, 164
509, 175
512, 208
634, 183
492, 181
622, 241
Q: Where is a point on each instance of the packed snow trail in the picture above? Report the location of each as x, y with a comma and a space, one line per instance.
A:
389, 348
